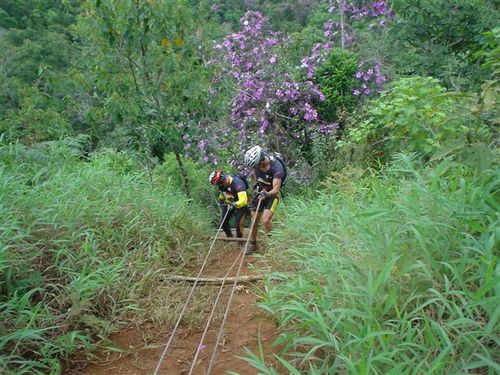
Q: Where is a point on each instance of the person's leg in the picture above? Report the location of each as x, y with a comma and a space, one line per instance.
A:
255, 225
266, 219
269, 209
239, 216
225, 224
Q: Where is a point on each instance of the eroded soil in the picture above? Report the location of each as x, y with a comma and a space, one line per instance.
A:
142, 346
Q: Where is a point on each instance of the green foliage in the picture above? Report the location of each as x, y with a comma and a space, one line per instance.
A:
148, 68
402, 278
416, 115
26, 53
438, 38
35, 88
489, 53
167, 174
6, 21
36, 14
286, 16
78, 242
336, 78
34, 120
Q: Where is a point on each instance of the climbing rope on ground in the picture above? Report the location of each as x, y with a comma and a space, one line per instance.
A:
226, 313
212, 313
167, 346
200, 345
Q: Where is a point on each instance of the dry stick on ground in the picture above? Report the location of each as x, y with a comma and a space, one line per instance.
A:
230, 239
213, 280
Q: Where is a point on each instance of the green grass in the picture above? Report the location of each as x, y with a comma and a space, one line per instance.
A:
395, 273
80, 244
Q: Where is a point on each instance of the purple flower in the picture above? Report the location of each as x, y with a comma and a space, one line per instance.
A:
271, 42
250, 112
203, 144
356, 92
327, 28
328, 129
264, 123
310, 113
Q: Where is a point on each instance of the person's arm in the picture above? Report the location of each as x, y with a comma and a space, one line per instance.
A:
276, 187
223, 199
242, 199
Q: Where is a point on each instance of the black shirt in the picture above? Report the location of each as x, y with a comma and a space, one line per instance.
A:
265, 179
231, 191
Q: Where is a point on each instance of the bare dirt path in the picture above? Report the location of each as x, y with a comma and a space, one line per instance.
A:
245, 323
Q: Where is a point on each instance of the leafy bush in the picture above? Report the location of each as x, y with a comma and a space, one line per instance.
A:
416, 115
438, 38
336, 79
390, 274
78, 242
168, 175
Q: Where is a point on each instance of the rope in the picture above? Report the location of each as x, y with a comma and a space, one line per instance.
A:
212, 313
188, 299
221, 329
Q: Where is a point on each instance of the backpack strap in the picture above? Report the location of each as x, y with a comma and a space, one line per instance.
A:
278, 157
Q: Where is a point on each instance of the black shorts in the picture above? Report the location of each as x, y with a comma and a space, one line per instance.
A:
266, 204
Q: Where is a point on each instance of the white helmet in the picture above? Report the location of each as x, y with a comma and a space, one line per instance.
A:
253, 156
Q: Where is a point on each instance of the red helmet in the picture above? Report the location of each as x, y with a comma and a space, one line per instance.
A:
216, 178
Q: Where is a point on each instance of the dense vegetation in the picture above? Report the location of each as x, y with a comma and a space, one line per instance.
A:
112, 113
401, 279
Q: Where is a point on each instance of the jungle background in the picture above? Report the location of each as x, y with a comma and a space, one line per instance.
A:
384, 258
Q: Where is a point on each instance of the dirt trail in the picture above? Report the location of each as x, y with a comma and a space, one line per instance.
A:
244, 324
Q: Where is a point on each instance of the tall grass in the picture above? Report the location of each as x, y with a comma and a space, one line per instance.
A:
78, 239
390, 274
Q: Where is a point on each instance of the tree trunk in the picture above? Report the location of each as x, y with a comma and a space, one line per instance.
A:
182, 171
342, 31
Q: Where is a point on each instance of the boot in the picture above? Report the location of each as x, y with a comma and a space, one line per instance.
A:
252, 247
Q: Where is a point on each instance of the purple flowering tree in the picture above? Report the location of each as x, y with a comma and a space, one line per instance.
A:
340, 30
275, 103
269, 106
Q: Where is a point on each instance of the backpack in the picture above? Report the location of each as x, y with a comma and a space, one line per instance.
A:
244, 179
281, 159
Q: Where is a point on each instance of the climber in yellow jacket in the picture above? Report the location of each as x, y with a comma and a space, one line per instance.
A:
233, 198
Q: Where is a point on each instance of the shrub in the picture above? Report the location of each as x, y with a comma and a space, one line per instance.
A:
416, 115
336, 79
78, 240
390, 274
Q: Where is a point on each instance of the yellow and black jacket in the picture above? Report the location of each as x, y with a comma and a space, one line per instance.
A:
235, 192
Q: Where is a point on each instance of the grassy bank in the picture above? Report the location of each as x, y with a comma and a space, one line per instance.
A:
391, 273
80, 244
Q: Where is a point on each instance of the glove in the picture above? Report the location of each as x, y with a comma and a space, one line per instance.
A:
230, 207
265, 194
